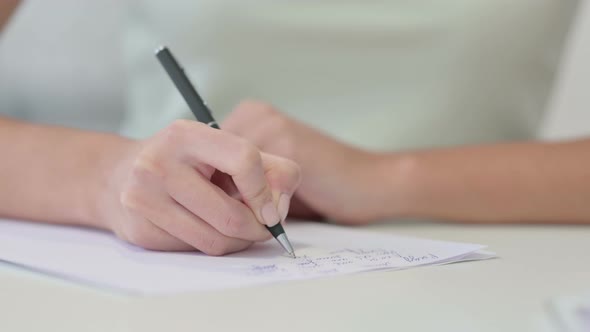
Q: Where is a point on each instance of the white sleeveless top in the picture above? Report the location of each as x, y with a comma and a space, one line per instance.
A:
383, 75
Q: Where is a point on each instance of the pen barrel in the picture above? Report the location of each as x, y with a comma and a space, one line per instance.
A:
185, 87
203, 114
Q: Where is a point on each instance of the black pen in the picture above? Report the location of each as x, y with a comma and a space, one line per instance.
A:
203, 114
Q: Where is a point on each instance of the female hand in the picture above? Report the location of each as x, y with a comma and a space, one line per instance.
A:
162, 195
340, 182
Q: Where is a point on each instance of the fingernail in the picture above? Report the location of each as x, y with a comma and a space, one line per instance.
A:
283, 206
270, 215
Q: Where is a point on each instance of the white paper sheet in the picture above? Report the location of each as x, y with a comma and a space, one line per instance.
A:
98, 258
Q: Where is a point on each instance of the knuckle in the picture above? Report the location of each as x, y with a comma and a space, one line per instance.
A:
247, 156
131, 200
148, 167
230, 225
181, 125
214, 246
280, 122
233, 225
176, 131
260, 195
286, 174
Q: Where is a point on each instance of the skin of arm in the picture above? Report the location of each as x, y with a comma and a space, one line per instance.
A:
528, 182
187, 187
41, 177
7, 7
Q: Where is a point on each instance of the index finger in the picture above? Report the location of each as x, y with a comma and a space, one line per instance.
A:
197, 143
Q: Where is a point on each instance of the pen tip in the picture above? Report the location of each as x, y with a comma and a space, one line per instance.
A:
293, 254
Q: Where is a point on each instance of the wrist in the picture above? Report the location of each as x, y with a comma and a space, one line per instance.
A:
113, 159
398, 175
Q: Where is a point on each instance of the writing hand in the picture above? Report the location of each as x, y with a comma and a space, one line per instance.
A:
164, 195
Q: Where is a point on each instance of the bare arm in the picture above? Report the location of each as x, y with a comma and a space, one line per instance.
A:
55, 174
518, 182
499, 183
158, 193
7, 7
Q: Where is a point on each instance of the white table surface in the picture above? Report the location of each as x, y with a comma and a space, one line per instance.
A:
511, 293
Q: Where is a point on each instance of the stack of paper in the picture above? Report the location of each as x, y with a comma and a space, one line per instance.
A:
98, 258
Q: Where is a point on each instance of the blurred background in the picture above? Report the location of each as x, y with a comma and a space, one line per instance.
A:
569, 108
78, 44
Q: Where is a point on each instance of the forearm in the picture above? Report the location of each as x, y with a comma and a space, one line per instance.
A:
503, 183
55, 174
